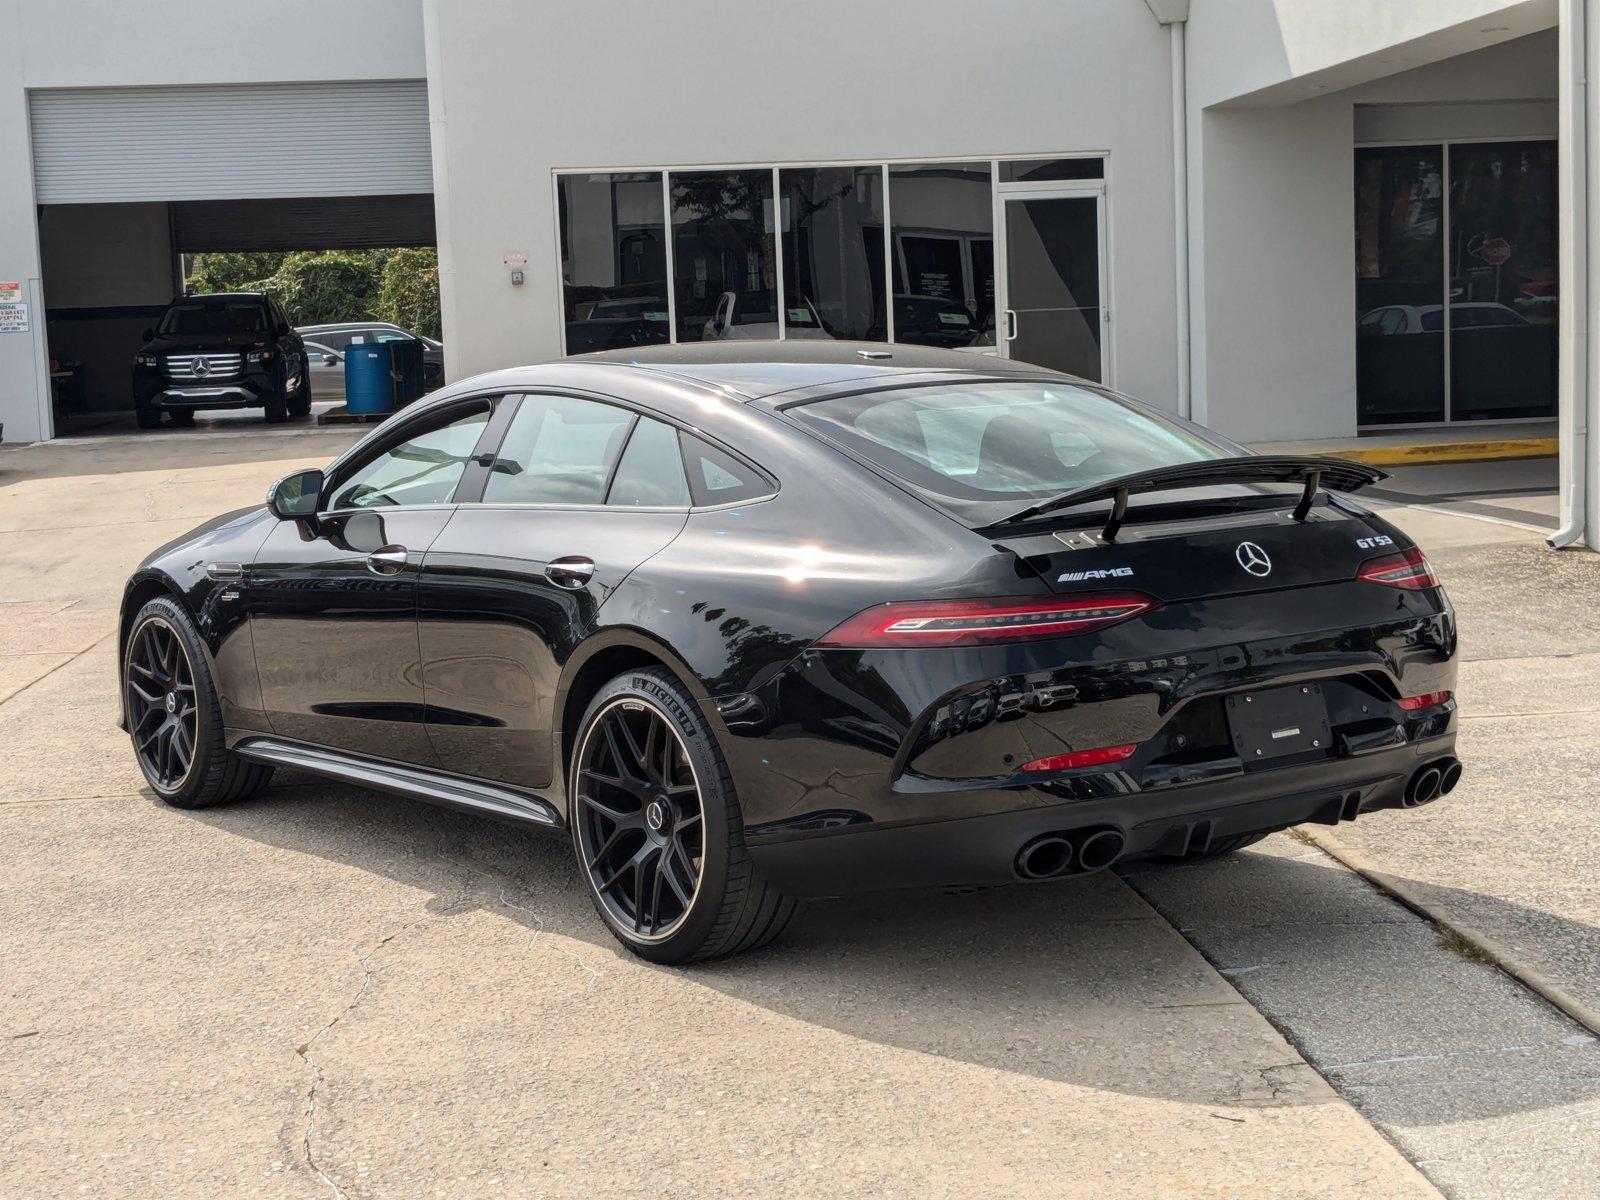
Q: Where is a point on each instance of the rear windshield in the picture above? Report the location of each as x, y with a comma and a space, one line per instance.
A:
1003, 443
214, 317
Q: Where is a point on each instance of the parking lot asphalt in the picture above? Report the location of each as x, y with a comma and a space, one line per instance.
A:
327, 991
330, 991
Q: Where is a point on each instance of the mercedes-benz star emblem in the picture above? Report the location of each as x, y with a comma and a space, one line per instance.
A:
202, 368
1253, 559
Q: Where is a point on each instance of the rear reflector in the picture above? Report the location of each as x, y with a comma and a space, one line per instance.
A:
1082, 758
984, 621
1426, 700
1409, 569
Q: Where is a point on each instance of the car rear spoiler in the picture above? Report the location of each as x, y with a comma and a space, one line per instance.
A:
1310, 470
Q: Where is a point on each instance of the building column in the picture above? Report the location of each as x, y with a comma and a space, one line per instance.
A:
24, 361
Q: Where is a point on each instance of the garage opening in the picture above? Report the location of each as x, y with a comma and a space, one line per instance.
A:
318, 194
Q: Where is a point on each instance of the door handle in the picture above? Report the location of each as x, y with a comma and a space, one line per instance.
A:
572, 572
1011, 325
388, 561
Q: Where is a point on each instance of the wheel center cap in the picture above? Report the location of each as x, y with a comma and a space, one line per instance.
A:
172, 702
658, 816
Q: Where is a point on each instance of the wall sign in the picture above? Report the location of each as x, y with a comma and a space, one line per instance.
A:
10, 291
14, 318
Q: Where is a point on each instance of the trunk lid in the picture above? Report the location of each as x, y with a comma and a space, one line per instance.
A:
1202, 548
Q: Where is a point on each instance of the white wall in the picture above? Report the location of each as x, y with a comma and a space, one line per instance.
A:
524, 89
1280, 51
1273, 226
93, 43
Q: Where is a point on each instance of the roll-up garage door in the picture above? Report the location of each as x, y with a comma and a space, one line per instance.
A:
317, 223
233, 141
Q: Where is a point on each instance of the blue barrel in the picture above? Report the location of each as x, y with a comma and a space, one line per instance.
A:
408, 365
369, 377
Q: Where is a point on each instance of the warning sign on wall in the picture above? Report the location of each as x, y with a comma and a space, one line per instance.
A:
10, 291
14, 318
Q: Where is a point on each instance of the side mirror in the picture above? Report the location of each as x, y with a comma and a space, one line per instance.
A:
330, 360
149, 335
295, 497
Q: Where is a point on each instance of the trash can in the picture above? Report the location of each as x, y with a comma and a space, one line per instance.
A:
408, 366
369, 377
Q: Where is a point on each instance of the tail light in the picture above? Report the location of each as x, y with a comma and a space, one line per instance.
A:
984, 621
1426, 700
1082, 758
1410, 569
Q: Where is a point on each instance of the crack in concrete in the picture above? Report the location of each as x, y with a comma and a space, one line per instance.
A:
369, 973
594, 975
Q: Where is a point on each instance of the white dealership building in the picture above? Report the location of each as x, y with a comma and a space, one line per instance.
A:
1290, 219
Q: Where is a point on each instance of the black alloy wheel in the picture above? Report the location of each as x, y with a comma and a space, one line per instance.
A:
657, 828
173, 715
163, 713
640, 823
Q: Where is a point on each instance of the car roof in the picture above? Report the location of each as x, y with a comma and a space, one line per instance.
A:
221, 296
754, 369
331, 325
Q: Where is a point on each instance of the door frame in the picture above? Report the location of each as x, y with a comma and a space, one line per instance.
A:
1087, 189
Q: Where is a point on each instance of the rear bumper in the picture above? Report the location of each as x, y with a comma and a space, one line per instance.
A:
981, 850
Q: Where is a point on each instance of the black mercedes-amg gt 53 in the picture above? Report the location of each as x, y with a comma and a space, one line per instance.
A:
757, 622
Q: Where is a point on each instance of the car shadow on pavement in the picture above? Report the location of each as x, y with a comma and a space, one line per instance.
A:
1079, 982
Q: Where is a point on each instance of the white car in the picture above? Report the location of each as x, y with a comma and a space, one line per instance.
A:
1395, 319
801, 321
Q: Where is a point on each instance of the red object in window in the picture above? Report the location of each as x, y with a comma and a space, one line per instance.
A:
1082, 758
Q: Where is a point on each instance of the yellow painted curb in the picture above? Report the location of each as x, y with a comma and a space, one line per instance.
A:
1451, 452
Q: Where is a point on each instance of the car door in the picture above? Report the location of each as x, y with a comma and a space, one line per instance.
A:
325, 367
516, 580
333, 602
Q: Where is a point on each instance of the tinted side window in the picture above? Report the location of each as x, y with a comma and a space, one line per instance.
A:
650, 474
718, 478
423, 469
559, 450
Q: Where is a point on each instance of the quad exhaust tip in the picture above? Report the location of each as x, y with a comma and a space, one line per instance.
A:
1431, 781
1074, 852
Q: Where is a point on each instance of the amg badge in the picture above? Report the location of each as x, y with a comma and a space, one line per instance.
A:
1108, 573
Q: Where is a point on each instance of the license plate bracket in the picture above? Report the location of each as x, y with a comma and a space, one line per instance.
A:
1278, 722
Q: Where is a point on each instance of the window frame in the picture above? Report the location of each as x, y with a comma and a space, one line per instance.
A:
997, 189
473, 483
362, 453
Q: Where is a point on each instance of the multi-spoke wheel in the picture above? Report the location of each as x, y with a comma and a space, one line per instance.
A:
171, 711
639, 823
162, 713
656, 827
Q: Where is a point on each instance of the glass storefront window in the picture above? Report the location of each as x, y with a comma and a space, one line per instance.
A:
722, 255
1503, 293
832, 222
613, 260
1456, 287
943, 253
1037, 170
1399, 285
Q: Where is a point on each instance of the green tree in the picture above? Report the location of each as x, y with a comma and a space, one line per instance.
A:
317, 286
408, 290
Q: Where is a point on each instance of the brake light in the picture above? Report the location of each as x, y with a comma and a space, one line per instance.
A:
1410, 569
1082, 758
1426, 700
984, 621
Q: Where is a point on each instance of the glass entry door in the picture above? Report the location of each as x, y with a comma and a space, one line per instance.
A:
1054, 280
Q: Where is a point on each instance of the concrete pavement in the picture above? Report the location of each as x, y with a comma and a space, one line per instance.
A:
326, 991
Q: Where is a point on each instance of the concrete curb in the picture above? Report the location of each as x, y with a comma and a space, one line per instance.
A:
1492, 949
1415, 453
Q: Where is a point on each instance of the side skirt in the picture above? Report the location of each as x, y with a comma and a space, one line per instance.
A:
419, 783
